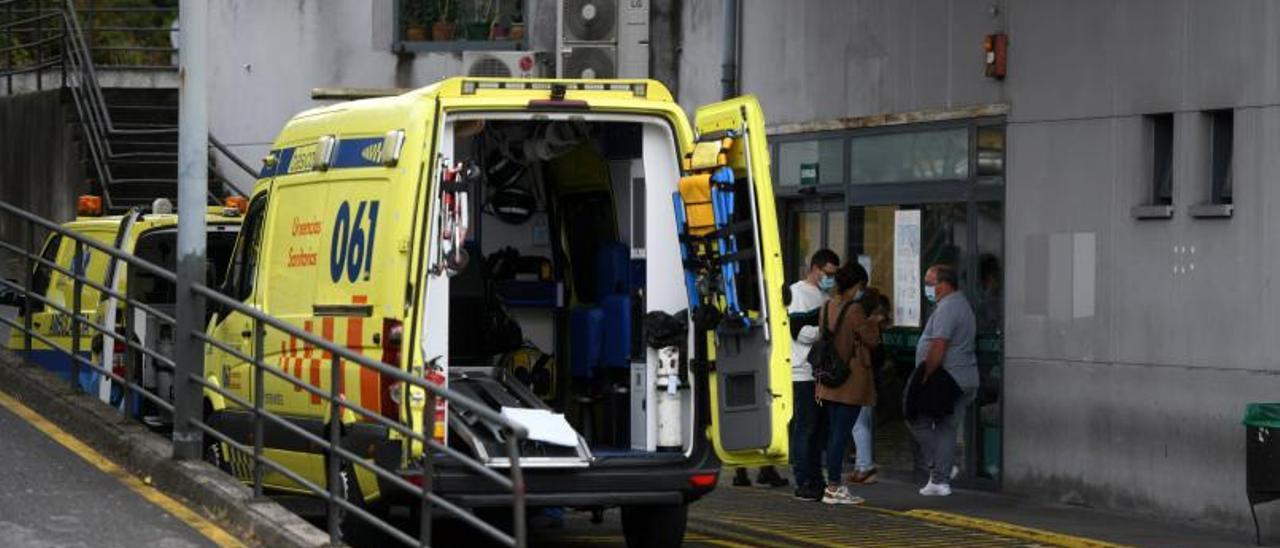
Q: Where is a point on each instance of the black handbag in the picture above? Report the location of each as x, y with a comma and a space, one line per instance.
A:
829, 368
934, 397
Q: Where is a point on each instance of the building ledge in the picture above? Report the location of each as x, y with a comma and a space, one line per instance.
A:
1211, 211
891, 119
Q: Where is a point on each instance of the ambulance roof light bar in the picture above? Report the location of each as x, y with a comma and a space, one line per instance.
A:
638, 89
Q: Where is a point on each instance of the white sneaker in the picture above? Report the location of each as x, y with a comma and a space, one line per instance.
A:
936, 490
840, 495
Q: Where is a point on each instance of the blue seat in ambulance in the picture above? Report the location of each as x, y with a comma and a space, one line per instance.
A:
613, 288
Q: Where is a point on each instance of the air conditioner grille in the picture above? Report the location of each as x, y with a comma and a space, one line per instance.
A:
590, 20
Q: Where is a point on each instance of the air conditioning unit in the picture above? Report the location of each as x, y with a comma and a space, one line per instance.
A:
602, 38
502, 64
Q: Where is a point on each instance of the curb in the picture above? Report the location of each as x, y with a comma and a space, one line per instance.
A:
201, 487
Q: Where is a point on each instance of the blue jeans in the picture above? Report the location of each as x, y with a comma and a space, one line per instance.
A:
863, 438
840, 419
806, 430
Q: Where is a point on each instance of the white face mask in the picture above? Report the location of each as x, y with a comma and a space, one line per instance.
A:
931, 293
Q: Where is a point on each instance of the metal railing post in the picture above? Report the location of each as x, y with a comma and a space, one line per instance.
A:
517, 489
335, 423
193, 174
78, 271
126, 393
26, 290
258, 394
428, 468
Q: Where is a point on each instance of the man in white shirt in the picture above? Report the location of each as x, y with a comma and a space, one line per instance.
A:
806, 428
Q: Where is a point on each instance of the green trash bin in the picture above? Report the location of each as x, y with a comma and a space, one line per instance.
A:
1262, 456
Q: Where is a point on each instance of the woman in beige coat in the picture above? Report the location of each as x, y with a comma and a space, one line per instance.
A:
857, 335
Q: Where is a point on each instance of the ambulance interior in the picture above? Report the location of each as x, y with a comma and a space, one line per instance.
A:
159, 247
572, 286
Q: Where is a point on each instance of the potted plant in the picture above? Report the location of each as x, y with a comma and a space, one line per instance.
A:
444, 27
479, 21
516, 32
414, 13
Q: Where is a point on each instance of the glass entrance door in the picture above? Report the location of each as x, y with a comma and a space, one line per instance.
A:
813, 224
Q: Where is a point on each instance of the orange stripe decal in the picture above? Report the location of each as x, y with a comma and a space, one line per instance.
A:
327, 328
314, 369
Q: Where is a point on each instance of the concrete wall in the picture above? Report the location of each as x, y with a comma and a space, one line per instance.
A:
40, 168
1133, 345
835, 59
266, 57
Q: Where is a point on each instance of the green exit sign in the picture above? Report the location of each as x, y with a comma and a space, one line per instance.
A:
809, 174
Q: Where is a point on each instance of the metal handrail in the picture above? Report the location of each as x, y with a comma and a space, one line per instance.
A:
195, 386
80, 78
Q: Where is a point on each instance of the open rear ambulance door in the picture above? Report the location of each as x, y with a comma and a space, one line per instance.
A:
750, 379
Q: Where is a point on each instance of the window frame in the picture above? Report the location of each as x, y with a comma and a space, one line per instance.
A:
1220, 168
251, 229
1158, 174
401, 45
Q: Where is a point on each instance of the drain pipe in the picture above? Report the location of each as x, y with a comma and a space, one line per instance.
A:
729, 61
193, 186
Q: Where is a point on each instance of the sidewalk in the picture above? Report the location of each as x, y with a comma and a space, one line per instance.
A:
1050, 523
53, 496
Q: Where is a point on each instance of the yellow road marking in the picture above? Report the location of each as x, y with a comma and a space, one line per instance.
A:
1008, 529
179, 510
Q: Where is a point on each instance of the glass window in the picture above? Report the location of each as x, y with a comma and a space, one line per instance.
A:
1161, 126
805, 163
914, 156
244, 266
808, 234
428, 25
43, 273
990, 150
1222, 124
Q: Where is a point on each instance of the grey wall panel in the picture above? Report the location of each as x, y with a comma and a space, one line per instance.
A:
1059, 195
1149, 57
1059, 57
1177, 430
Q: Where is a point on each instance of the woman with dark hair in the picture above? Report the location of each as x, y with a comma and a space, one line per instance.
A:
857, 335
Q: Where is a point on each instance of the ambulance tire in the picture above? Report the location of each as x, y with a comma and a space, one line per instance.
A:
654, 526
212, 447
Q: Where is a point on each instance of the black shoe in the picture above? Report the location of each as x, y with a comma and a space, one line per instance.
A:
740, 478
812, 493
768, 477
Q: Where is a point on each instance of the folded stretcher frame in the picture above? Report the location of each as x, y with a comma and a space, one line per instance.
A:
709, 243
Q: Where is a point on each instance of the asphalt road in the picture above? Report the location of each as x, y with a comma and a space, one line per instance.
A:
51, 497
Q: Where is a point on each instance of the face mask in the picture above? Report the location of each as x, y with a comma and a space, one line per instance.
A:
931, 293
826, 283
858, 296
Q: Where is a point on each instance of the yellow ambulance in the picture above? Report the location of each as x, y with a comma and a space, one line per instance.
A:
148, 235
571, 248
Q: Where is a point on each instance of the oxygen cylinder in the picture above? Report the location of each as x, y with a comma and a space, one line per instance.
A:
668, 396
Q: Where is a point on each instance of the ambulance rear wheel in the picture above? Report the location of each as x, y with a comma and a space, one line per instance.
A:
654, 526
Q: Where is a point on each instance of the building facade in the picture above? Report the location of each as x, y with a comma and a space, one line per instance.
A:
1089, 198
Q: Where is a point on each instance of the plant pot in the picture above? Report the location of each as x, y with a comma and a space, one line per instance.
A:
476, 31
499, 32
443, 30
516, 33
416, 33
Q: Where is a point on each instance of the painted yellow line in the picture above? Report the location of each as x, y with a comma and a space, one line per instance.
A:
800, 540
1008, 530
179, 510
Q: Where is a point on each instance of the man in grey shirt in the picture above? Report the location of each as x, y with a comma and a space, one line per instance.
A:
947, 342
